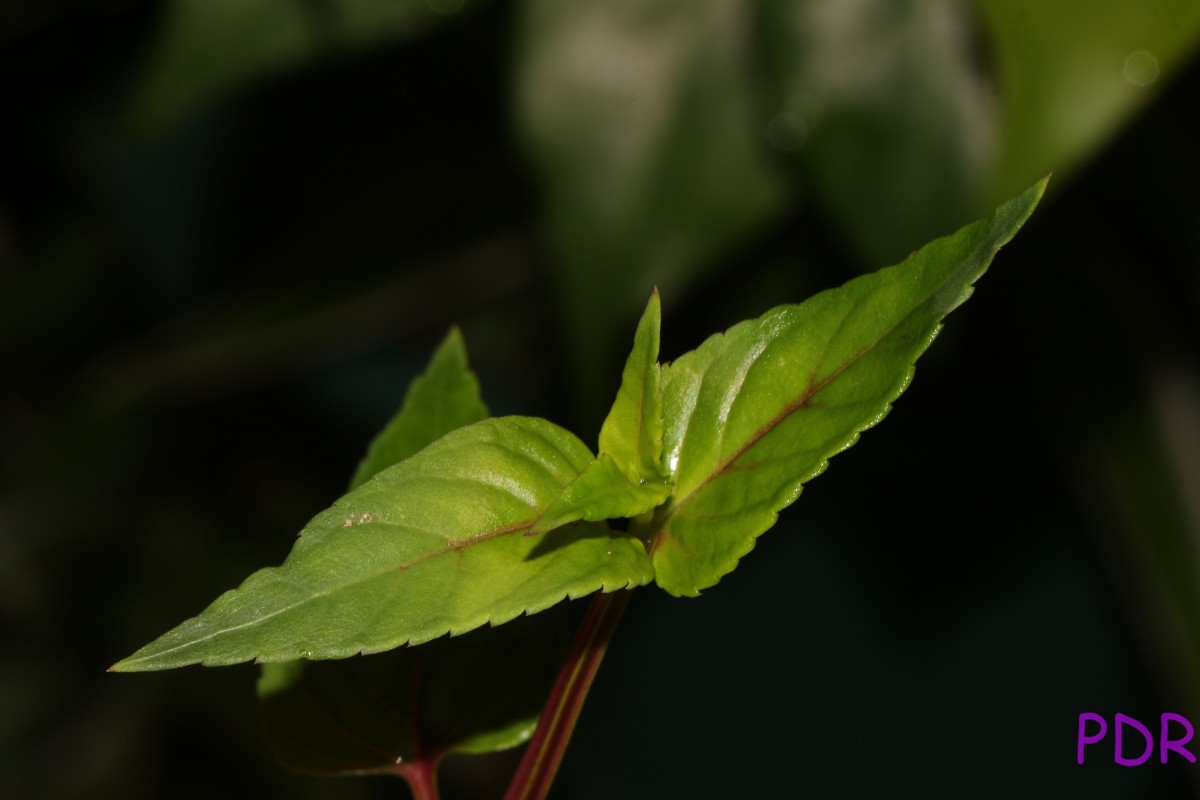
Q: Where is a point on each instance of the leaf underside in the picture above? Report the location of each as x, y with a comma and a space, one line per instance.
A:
472, 694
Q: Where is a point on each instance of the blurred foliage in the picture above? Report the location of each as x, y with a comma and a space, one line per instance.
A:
642, 123
257, 40
1070, 73
403, 707
224, 254
881, 106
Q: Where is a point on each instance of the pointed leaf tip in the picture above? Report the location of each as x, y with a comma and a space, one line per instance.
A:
443, 398
632, 431
756, 412
627, 478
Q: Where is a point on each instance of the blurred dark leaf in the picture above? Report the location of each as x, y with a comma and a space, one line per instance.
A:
882, 107
1143, 473
208, 48
476, 693
1071, 73
643, 128
241, 343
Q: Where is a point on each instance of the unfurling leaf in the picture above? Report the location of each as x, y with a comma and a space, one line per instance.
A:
757, 411
628, 478
633, 431
602, 492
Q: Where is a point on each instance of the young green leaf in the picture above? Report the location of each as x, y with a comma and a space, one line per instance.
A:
632, 433
443, 398
628, 478
601, 492
757, 411
432, 545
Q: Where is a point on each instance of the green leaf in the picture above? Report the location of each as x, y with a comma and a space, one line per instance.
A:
602, 492
432, 545
757, 411
644, 134
632, 432
472, 694
628, 478
443, 398
406, 706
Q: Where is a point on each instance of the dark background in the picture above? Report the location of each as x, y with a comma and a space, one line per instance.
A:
213, 294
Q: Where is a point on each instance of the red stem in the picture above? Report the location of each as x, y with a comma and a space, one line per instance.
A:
545, 750
420, 771
422, 779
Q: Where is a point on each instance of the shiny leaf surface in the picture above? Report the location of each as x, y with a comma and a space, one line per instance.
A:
432, 545
757, 411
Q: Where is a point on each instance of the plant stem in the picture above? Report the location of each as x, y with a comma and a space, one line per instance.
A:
545, 750
420, 771
422, 779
